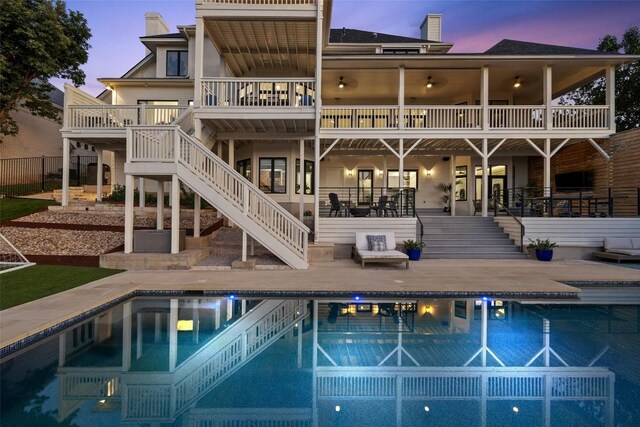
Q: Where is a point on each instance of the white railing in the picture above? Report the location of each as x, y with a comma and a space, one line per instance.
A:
516, 117
170, 144
595, 383
77, 383
185, 121
117, 116
443, 117
258, 93
259, 2
580, 117
155, 396
359, 117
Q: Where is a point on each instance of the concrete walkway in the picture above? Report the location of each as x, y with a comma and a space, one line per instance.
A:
508, 279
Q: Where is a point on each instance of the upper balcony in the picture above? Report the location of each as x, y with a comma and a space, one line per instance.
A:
464, 120
258, 98
284, 9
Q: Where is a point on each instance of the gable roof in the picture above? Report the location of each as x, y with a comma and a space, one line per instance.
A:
56, 96
348, 35
517, 47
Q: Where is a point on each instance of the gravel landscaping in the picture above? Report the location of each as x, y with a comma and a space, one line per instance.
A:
45, 241
207, 219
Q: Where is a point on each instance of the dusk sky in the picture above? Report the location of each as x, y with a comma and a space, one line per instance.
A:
472, 25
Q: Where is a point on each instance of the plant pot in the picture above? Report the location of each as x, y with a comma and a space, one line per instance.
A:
544, 254
414, 254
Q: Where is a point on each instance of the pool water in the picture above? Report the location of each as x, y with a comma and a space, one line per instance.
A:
251, 362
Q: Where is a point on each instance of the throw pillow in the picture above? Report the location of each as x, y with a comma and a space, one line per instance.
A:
377, 243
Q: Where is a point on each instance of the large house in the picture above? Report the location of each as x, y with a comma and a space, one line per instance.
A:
270, 115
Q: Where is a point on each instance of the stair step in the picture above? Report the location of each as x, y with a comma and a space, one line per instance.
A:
469, 242
482, 255
469, 249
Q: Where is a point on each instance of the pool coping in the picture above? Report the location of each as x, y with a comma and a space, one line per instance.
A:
49, 331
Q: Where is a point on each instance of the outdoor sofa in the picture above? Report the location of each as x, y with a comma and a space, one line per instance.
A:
620, 249
363, 252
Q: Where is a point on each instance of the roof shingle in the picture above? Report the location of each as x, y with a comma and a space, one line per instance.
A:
517, 47
348, 35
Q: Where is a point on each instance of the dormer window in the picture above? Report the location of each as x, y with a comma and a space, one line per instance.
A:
177, 63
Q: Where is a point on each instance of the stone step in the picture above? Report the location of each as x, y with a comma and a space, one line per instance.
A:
482, 255
469, 249
498, 241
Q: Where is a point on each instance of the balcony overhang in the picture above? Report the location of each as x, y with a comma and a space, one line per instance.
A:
275, 9
255, 129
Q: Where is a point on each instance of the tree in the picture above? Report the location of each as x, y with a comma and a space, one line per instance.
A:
40, 40
627, 82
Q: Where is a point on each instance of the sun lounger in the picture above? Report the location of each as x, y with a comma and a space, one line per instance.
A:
362, 252
620, 249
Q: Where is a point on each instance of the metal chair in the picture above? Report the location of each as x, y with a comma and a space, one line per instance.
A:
378, 208
336, 205
392, 206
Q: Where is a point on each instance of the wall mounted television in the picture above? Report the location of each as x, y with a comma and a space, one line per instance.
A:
581, 180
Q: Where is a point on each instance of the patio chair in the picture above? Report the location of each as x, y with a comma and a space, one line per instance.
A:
378, 208
336, 205
392, 206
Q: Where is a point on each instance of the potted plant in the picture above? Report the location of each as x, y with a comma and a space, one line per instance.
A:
543, 249
414, 249
445, 188
307, 219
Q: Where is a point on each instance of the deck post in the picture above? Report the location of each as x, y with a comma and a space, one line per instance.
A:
198, 64
196, 214
66, 147
485, 178
401, 164
173, 334
175, 214
126, 336
401, 80
99, 176
141, 192
244, 246
301, 173
452, 174
611, 96
316, 188
547, 167
484, 97
547, 96
128, 214
160, 205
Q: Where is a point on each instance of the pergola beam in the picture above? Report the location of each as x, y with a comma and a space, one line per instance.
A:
535, 147
329, 149
600, 149
395, 153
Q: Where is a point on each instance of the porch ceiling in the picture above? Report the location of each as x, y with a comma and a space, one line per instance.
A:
260, 128
451, 84
426, 147
260, 44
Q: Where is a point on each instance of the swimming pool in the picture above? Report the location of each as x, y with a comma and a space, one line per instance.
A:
226, 361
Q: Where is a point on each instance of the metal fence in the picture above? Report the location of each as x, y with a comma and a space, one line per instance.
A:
30, 175
569, 202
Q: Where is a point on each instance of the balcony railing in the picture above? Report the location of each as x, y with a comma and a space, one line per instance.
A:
260, 2
117, 116
352, 117
465, 117
258, 93
581, 116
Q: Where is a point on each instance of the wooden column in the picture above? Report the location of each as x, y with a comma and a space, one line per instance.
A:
484, 96
452, 175
128, 214
547, 95
485, 178
611, 96
160, 205
99, 176
175, 214
301, 175
66, 147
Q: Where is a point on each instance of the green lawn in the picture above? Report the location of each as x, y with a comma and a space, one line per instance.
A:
14, 208
32, 283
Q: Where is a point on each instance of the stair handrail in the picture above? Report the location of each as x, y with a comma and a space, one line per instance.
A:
498, 201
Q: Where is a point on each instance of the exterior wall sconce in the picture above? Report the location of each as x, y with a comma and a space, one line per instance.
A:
517, 82
341, 83
350, 173
380, 172
427, 173
429, 83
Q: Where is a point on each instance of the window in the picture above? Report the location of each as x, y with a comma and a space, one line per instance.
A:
244, 168
461, 183
308, 176
177, 62
410, 179
273, 175
497, 181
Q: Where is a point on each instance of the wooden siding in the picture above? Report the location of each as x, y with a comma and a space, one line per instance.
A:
343, 230
580, 232
621, 171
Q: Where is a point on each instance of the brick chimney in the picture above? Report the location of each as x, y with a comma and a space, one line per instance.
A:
431, 27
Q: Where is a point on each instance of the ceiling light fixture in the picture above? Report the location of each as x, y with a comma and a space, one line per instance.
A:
517, 82
429, 83
341, 84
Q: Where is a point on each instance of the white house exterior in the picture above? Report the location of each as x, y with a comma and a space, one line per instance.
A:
229, 107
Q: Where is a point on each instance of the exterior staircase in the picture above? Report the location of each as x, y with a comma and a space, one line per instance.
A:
467, 237
165, 150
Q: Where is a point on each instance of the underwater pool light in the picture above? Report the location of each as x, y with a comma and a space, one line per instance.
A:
426, 408
232, 297
357, 298
515, 409
337, 408
485, 298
